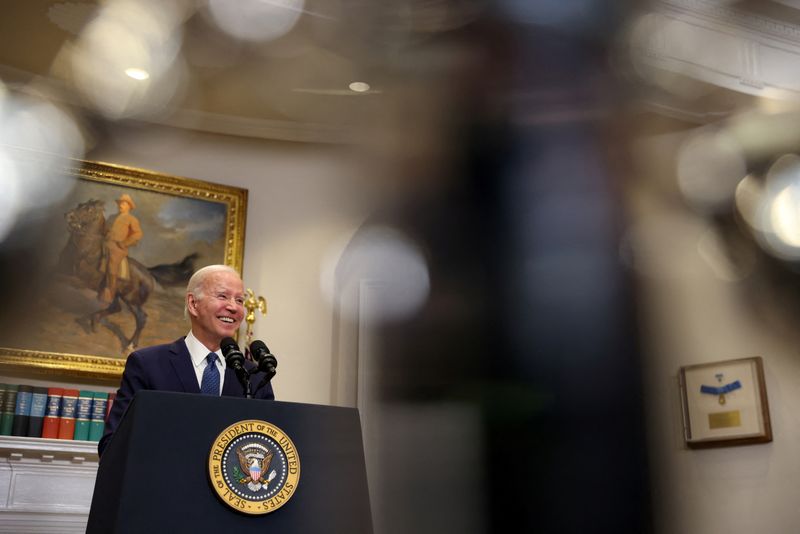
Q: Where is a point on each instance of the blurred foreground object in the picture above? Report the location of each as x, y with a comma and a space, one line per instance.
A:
510, 396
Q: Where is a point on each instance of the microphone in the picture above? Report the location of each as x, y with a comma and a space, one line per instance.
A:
267, 362
235, 359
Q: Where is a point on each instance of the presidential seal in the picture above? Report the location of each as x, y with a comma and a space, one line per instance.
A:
254, 467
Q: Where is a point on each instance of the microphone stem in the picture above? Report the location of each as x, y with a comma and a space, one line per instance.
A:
244, 378
264, 381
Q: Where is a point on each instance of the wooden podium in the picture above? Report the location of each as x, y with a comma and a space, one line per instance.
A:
154, 474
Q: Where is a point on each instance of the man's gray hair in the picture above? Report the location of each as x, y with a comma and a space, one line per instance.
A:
197, 282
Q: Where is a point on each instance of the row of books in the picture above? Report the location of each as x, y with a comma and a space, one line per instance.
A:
52, 412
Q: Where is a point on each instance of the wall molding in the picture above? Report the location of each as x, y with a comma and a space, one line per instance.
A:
724, 46
720, 12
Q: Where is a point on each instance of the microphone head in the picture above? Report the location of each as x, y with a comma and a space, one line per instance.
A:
231, 351
259, 349
227, 344
269, 363
266, 361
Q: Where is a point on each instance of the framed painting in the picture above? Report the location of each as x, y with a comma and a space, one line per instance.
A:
725, 403
117, 266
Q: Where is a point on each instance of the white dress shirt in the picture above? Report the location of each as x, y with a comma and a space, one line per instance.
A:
198, 353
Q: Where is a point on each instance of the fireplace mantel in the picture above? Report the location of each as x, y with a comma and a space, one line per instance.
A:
46, 485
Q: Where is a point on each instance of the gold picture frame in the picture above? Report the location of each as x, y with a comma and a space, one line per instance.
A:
186, 223
725, 403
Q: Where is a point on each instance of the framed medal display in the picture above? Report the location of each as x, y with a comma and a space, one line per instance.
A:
725, 403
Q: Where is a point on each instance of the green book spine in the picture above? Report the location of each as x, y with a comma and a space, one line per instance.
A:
83, 414
7, 417
97, 426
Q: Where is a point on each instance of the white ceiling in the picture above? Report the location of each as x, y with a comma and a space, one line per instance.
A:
295, 86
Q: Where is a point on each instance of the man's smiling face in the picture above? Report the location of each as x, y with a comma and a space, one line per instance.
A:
217, 310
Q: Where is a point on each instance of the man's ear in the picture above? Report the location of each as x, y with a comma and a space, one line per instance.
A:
191, 304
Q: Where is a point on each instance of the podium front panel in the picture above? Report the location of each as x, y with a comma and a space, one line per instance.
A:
153, 476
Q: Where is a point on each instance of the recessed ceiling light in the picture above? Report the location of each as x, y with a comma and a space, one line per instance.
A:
359, 87
137, 74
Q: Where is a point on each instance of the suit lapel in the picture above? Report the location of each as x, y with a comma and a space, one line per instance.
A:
231, 386
182, 365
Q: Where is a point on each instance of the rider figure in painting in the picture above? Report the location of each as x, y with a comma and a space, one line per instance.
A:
123, 232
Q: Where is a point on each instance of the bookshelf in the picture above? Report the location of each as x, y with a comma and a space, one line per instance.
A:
49, 484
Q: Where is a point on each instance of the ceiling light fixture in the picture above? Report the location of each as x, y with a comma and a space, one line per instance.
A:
137, 74
359, 87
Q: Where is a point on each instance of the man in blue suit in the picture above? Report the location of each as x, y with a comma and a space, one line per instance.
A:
215, 307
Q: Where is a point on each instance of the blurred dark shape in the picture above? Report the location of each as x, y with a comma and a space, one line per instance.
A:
175, 274
530, 322
28, 255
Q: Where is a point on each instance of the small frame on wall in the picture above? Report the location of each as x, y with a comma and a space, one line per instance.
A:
725, 403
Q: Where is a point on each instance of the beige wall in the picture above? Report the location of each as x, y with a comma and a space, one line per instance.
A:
694, 312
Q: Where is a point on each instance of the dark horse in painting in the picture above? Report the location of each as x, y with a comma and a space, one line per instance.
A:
82, 256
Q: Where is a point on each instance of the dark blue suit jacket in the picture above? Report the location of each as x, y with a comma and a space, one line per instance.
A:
169, 368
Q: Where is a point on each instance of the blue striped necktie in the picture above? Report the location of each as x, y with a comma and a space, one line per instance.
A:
210, 383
